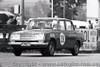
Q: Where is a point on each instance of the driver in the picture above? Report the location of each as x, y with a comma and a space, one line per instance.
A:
54, 24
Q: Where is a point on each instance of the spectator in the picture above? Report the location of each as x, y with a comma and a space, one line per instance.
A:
10, 28
12, 20
95, 24
90, 25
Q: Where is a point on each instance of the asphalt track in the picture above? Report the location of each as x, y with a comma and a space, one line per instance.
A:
58, 60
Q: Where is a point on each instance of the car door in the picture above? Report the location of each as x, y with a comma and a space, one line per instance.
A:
62, 34
70, 34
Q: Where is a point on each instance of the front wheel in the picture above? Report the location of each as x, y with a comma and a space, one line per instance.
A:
17, 52
75, 50
49, 51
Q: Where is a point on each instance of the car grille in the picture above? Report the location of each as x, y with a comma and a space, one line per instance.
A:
27, 36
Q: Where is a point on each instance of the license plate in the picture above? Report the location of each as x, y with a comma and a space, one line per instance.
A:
25, 44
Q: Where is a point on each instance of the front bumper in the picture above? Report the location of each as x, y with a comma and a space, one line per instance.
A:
28, 45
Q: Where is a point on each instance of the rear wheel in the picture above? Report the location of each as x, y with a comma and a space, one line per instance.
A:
49, 51
17, 52
75, 50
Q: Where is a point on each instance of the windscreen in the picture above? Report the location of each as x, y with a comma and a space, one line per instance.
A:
38, 24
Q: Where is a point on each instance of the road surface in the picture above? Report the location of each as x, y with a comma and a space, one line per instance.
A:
59, 60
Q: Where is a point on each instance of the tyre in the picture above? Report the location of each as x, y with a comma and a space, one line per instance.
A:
43, 52
49, 51
17, 52
75, 49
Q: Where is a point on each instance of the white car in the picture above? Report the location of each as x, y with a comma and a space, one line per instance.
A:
4, 16
80, 24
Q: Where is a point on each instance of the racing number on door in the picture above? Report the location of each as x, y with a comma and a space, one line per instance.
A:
62, 39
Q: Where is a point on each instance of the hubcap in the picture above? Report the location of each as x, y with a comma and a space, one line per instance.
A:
51, 48
76, 49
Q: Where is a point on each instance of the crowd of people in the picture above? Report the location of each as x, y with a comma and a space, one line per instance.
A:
93, 25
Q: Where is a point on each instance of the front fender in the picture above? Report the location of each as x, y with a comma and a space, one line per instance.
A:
49, 36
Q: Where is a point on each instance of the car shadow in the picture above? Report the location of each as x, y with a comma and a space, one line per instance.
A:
65, 55
45, 56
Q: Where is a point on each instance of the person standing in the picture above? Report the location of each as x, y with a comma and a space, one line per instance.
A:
95, 24
11, 25
12, 20
90, 25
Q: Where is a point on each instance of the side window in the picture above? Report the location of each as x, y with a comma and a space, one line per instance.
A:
61, 25
31, 24
54, 24
69, 25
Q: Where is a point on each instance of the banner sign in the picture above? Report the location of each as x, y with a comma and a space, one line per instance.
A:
90, 36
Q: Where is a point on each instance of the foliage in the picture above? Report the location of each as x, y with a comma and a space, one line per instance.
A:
81, 13
40, 9
71, 8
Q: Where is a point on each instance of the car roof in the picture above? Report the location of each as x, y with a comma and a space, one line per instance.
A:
48, 18
7, 13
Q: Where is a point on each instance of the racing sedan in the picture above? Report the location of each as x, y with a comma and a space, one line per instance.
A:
47, 35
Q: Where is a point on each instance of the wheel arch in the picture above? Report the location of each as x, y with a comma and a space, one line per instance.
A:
54, 40
79, 42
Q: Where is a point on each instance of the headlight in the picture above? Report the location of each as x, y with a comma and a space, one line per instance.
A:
40, 36
1, 35
15, 36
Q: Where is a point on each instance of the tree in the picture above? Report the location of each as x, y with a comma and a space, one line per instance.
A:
71, 8
40, 9
81, 13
